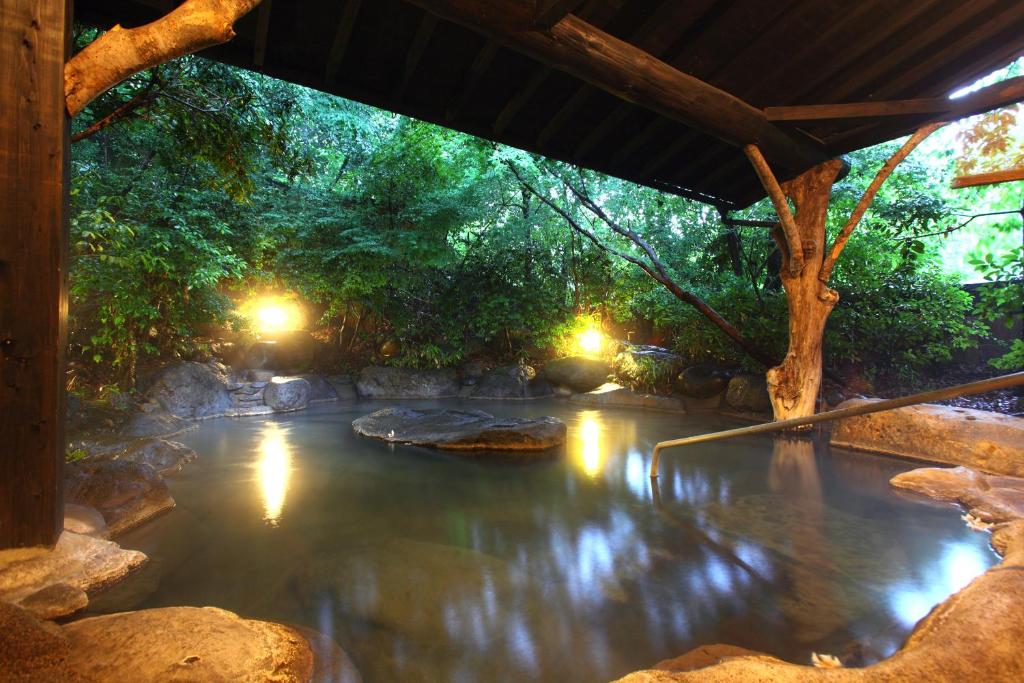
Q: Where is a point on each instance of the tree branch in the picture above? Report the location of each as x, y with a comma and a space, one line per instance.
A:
795, 255
120, 53
869, 196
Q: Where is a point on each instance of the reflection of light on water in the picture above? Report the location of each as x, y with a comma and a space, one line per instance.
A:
275, 467
591, 456
960, 564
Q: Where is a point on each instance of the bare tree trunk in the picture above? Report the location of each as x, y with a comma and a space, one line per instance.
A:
794, 384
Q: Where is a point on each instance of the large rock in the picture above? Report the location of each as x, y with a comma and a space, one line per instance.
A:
512, 381
186, 644
748, 391
126, 493
166, 457
579, 373
32, 650
647, 366
76, 564
702, 381
958, 436
992, 499
155, 423
287, 393
614, 395
193, 390
320, 389
82, 519
384, 382
344, 387
461, 429
261, 355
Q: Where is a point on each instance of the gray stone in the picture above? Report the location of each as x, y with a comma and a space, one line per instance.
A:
155, 423
461, 429
320, 389
702, 381
166, 457
261, 355
287, 393
511, 382
645, 365
749, 392
990, 442
614, 395
126, 493
386, 382
192, 390
579, 373
471, 372
82, 519
259, 375
186, 644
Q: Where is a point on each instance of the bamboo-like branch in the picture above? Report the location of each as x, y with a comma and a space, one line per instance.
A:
120, 53
869, 196
778, 197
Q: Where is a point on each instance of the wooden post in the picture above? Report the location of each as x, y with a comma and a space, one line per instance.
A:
34, 45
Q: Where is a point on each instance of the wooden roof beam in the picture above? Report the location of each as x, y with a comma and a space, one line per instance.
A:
550, 12
341, 37
519, 100
996, 96
481, 63
415, 54
588, 53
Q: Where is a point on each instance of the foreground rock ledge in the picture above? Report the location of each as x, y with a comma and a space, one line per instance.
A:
975, 635
461, 429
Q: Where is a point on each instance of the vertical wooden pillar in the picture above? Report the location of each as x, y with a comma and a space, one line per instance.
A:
34, 44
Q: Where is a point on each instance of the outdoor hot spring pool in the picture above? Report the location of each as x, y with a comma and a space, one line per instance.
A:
426, 566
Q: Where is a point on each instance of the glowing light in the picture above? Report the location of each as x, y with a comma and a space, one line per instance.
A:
269, 315
274, 470
590, 341
591, 455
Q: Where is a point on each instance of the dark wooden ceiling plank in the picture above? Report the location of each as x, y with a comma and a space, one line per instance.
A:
341, 39
550, 12
259, 52
512, 108
482, 62
659, 126
598, 133
415, 54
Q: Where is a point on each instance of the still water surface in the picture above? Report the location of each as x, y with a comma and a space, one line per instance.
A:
430, 567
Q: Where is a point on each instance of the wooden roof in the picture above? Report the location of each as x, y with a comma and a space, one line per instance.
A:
395, 55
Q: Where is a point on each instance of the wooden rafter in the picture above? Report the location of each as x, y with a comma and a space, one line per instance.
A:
481, 63
519, 100
993, 178
415, 54
342, 35
550, 12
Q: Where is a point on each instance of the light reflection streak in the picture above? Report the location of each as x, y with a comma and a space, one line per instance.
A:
591, 455
274, 471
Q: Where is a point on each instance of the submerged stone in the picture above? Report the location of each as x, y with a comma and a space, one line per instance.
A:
461, 429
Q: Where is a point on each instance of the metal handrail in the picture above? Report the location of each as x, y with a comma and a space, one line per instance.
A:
980, 387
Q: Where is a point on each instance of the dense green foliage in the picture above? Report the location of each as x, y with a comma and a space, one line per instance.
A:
219, 184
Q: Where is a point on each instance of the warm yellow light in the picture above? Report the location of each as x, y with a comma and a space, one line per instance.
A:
591, 455
275, 467
273, 314
590, 341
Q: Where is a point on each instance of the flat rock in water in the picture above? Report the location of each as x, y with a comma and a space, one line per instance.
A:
461, 429
613, 395
992, 499
126, 493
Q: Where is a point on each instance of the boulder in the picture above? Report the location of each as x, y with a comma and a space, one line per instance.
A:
471, 372
320, 389
155, 423
186, 644
647, 366
261, 355
126, 493
344, 387
461, 429
511, 381
385, 382
287, 393
579, 373
992, 499
990, 442
80, 562
31, 649
614, 395
192, 390
748, 391
702, 381
82, 519
296, 351
166, 457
